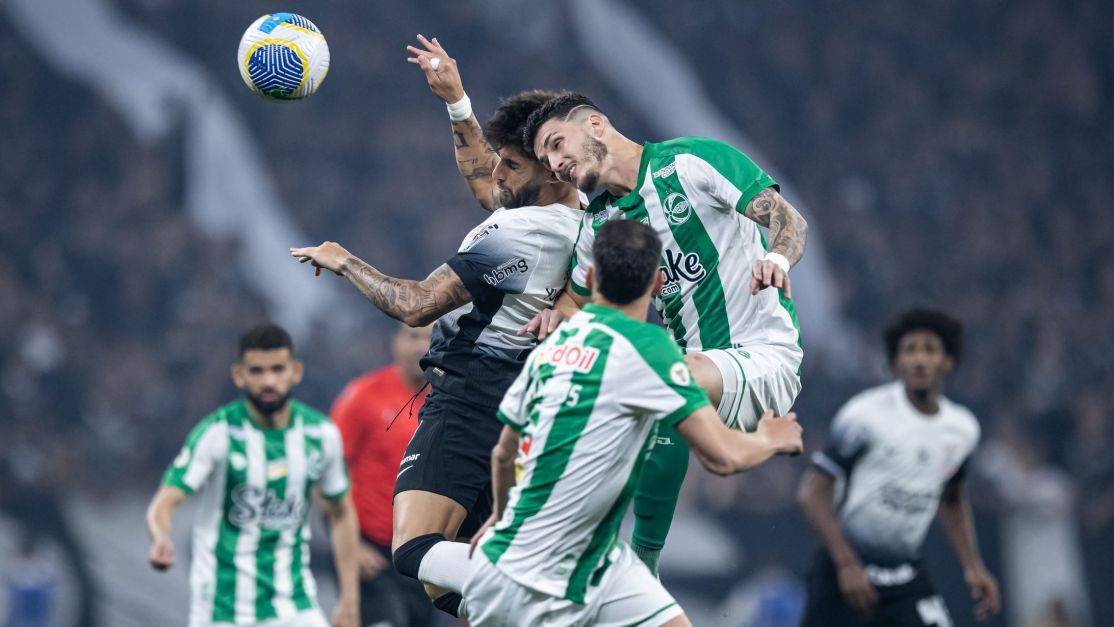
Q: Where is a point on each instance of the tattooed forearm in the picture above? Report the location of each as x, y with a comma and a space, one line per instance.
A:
476, 160
417, 303
787, 226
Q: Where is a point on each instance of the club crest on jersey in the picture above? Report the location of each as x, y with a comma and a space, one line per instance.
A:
579, 358
680, 374
315, 465
677, 209
480, 232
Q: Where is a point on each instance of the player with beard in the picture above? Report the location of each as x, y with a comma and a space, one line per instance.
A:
705, 200
899, 455
254, 463
507, 269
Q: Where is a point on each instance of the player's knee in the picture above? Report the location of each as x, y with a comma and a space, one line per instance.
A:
706, 374
408, 557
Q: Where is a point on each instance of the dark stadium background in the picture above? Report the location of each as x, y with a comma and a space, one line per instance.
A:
952, 154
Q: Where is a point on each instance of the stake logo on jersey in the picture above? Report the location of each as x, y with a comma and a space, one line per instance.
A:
256, 506
693, 192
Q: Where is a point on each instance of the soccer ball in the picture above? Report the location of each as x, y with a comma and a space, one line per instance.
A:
283, 57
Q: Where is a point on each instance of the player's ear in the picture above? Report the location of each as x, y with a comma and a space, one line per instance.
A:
659, 282
949, 364
590, 281
238, 375
297, 370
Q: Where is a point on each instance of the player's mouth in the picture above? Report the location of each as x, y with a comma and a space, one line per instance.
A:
570, 172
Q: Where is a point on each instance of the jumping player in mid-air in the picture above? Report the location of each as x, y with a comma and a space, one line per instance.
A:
705, 200
580, 418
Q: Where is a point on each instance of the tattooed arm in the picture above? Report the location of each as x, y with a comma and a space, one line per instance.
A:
417, 303
787, 226
474, 157
787, 238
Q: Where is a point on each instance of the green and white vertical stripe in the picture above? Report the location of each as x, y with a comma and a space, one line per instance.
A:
250, 560
589, 400
693, 191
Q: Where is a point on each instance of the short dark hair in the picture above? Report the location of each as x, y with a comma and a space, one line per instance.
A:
559, 107
266, 336
505, 126
947, 328
627, 254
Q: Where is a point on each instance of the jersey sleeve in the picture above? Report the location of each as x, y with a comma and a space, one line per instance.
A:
849, 438
347, 414
582, 253
666, 388
499, 257
334, 474
205, 449
726, 178
512, 410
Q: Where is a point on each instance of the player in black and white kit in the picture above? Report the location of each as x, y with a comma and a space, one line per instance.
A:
507, 269
898, 455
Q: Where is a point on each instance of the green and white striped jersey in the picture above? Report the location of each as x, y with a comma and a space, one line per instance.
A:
587, 405
251, 534
693, 191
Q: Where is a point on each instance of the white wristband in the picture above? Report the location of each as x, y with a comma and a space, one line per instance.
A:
779, 259
460, 110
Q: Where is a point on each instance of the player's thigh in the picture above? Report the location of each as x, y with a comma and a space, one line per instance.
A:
754, 379
419, 513
630, 595
495, 600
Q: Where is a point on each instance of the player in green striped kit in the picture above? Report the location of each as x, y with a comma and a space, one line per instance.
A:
255, 463
581, 416
705, 200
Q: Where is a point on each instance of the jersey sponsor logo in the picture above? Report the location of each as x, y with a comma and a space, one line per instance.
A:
667, 171
183, 458
505, 271
679, 373
551, 293
679, 266
480, 232
256, 506
411, 458
315, 465
677, 209
909, 502
276, 469
579, 358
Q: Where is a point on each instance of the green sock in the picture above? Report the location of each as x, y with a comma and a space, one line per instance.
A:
655, 498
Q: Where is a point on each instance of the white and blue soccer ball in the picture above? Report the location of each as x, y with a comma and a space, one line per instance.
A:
283, 57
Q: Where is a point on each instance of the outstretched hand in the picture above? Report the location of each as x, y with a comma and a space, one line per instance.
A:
765, 273
442, 75
543, 323
328, 256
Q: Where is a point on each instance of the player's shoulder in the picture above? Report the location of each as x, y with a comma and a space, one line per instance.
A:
703, 147
309, 415
871, 403
650, 342
232, 413
961, 418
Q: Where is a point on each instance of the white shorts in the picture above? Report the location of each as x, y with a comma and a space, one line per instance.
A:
627, 595
308, 618
756, 378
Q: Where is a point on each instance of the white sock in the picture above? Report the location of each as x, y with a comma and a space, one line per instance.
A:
446, 565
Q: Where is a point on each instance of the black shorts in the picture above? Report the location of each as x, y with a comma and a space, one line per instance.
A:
911, 604
450, 455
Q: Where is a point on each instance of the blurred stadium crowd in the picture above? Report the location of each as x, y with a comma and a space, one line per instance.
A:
957, 154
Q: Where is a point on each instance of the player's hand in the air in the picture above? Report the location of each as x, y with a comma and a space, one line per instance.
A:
543, 323
328, 256
442, 75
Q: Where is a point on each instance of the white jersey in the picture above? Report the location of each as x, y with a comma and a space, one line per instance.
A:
514, 264
693, 192
587, 406
251, 537
895, 462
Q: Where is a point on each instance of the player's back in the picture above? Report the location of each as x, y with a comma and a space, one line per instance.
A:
514, 264
588, 404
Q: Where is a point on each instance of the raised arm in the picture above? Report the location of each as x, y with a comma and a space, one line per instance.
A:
724, 451
474, 157
955, 517
160, 514
417, 303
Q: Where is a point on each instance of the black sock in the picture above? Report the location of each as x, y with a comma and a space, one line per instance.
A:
449, 604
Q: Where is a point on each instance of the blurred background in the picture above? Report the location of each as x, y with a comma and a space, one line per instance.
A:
952, 154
